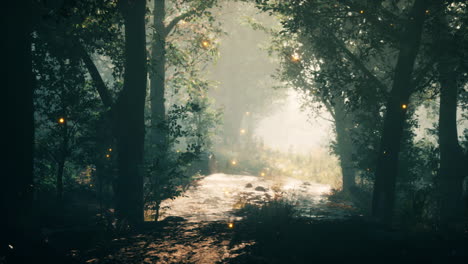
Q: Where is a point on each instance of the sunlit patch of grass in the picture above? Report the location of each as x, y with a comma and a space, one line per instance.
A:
317, 166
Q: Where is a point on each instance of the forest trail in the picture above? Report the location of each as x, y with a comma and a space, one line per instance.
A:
216, 197
210, 230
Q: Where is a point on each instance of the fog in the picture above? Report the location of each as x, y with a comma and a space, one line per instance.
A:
290, 128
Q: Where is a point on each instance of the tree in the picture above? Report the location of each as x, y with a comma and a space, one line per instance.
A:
447, 45
160, 48
66, 109
387, 164
17, 179
381, 19
243, 72
129, 113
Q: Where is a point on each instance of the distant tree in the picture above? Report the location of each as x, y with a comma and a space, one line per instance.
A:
169, 18
243, 71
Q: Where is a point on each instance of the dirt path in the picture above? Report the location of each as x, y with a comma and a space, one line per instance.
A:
206, 242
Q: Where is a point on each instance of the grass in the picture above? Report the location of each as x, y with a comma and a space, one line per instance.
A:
281, 236
317, 166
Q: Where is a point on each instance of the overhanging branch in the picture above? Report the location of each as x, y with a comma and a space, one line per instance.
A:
101, 87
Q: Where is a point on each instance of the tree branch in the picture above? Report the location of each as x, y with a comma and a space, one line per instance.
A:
173, 23
101, 87
390, 30
358, 63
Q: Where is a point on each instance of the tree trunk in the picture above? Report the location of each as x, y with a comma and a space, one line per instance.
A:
452, 168
158, 77
63, 153
59, 182
17, 159
387, 163
345, 149
130, 115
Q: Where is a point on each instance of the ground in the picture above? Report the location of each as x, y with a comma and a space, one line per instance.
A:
226, 220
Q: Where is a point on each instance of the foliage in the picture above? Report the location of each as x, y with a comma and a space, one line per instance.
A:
63, 92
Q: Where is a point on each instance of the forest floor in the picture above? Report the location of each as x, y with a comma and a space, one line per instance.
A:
300, 241
274, 232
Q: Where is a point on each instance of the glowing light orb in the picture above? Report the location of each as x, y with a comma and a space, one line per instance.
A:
205, 43
262, 174
427, 11
61, 120
242, 131
110, 149
247, 113
295, 57
361, 12
231, 225
107, 155
233, 162
404, 106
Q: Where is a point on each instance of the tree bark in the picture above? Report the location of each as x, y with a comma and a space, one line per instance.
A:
17, 170
387, 164
130, 115
158, 77
344, 144
452, 168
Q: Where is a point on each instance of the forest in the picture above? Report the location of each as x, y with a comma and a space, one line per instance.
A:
234, 131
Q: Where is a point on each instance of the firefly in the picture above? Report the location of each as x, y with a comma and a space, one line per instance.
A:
110, 149
262, 174
61, 120
107, 155
361, 12
242, 131
233, 162
247, 113
295, 57
404, 106
231, 225
205, 43
427, 11
10, 246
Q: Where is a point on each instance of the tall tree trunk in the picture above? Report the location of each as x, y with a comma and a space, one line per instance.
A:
387, 164
452, 168
17, 159
63, 153
158, 77
59, 182
130, 115
343, 123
